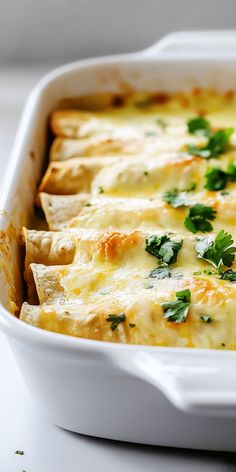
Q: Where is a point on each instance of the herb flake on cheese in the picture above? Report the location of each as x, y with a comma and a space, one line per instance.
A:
177, 311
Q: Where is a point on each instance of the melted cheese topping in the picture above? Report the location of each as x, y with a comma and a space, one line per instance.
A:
103, 197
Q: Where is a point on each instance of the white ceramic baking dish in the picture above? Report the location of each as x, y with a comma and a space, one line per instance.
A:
153, 395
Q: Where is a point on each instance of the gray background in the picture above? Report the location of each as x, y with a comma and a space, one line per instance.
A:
56, 31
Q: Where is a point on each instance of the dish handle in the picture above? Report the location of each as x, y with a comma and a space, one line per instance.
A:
194, 43
194, 382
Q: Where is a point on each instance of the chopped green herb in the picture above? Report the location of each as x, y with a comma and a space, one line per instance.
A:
216, 179
88, 204
231, 171
19, 452
178, 198
101, 189
115, 320
209, 272
162, 272
177, 310
199, 125
217, 144
132, 325
223, 344
192, 186
206, 272
175, 198
224, 192
164, 248
146, 173
217, 252
197, 219
206, 318
229, 275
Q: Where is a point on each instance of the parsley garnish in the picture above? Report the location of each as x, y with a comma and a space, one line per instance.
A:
19, 452
199, 125
217, 179
192, 186
198, 217
206, 318
162, 272
229, 275
115, 320
231, 171
178, 198
175, 197
163, 248
205, 272
101, 189
217, 252
217, 144
177, 310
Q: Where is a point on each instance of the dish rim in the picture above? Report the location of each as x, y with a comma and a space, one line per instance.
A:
10, 324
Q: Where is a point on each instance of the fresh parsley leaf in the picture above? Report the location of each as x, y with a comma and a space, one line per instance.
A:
198, 217
224, 192
206, 318
229, 275
19, 452
199, 125
162, 272
164, 248
101, 189
192, 186
177, 310
178, 198
198, 151
175, 198
218, 251
206, 272
216, 179
231, 171
217, 144
115, 320
219, 141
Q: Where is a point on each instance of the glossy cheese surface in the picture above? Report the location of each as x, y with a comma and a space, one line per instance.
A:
104, 198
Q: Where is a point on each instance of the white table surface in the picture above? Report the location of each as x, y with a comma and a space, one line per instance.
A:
46, 447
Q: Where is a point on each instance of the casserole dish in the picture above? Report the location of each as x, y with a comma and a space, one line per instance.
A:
151, 395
